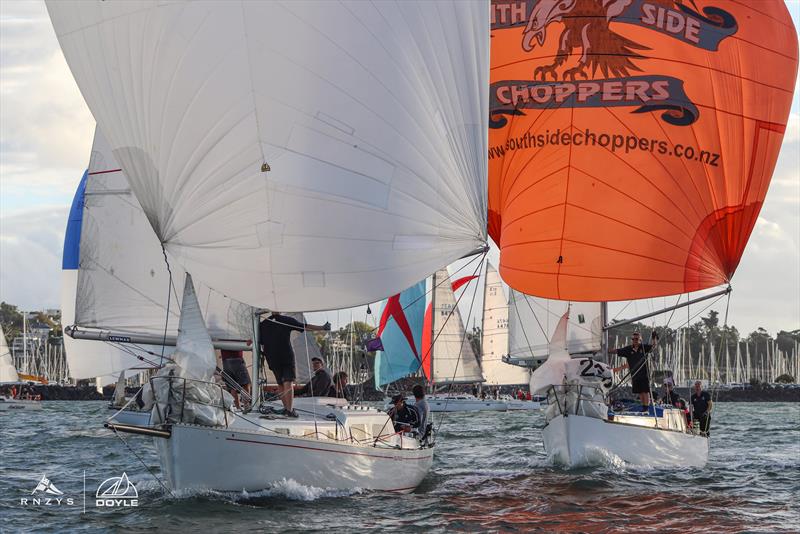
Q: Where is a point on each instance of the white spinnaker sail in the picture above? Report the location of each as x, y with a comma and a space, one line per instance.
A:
453, 357
370, 121
532, 322
494, 344
123, 281
8, 373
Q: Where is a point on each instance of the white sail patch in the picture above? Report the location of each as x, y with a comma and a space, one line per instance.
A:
494, 342
454, 359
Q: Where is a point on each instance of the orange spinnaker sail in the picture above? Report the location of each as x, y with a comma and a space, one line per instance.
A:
632, 142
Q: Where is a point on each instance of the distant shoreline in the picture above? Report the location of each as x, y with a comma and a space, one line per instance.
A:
56, 392
736, 395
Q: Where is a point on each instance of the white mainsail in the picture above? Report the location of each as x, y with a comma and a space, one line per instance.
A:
123, 281
454, 359
532, 322
326, 155
494, 343
8, 373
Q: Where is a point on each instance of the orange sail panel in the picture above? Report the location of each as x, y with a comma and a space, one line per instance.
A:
631, 142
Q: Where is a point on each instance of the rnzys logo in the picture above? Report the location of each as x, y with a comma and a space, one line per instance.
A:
40, 496
117, 491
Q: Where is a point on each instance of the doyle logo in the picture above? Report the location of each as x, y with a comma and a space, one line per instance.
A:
117, 491
41, 495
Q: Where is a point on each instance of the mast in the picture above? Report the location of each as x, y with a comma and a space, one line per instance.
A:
604, 336
433, 332
483, 317
25, 343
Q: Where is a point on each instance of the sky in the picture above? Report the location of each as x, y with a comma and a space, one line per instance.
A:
45, 140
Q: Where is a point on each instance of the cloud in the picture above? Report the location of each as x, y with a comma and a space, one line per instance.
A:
30, 257
45, 126
792, 134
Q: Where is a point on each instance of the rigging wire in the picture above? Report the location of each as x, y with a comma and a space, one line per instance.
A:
463, 339
169, 299
141, 461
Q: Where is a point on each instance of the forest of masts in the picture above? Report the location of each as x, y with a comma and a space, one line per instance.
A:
703, 351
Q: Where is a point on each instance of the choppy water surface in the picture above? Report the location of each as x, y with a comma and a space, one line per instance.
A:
489, 474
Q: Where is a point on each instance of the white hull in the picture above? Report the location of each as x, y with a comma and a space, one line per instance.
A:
577, 440
196, 457
8, 405
357, 450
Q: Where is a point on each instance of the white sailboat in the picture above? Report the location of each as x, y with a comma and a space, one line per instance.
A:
451, 358
320, 160
495, 343
10, 378
330, 444
580, 429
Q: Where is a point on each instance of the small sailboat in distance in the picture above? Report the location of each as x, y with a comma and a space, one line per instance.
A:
495, 343
10, 381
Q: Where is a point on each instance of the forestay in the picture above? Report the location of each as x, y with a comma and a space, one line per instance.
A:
294, 155
532, 322
494, 335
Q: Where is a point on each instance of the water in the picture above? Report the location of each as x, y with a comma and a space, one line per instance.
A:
489, 474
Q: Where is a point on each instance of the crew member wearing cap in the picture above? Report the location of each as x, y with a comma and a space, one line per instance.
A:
670, 397
275, 337
235, 371
320, 383
404, 417
636, 355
